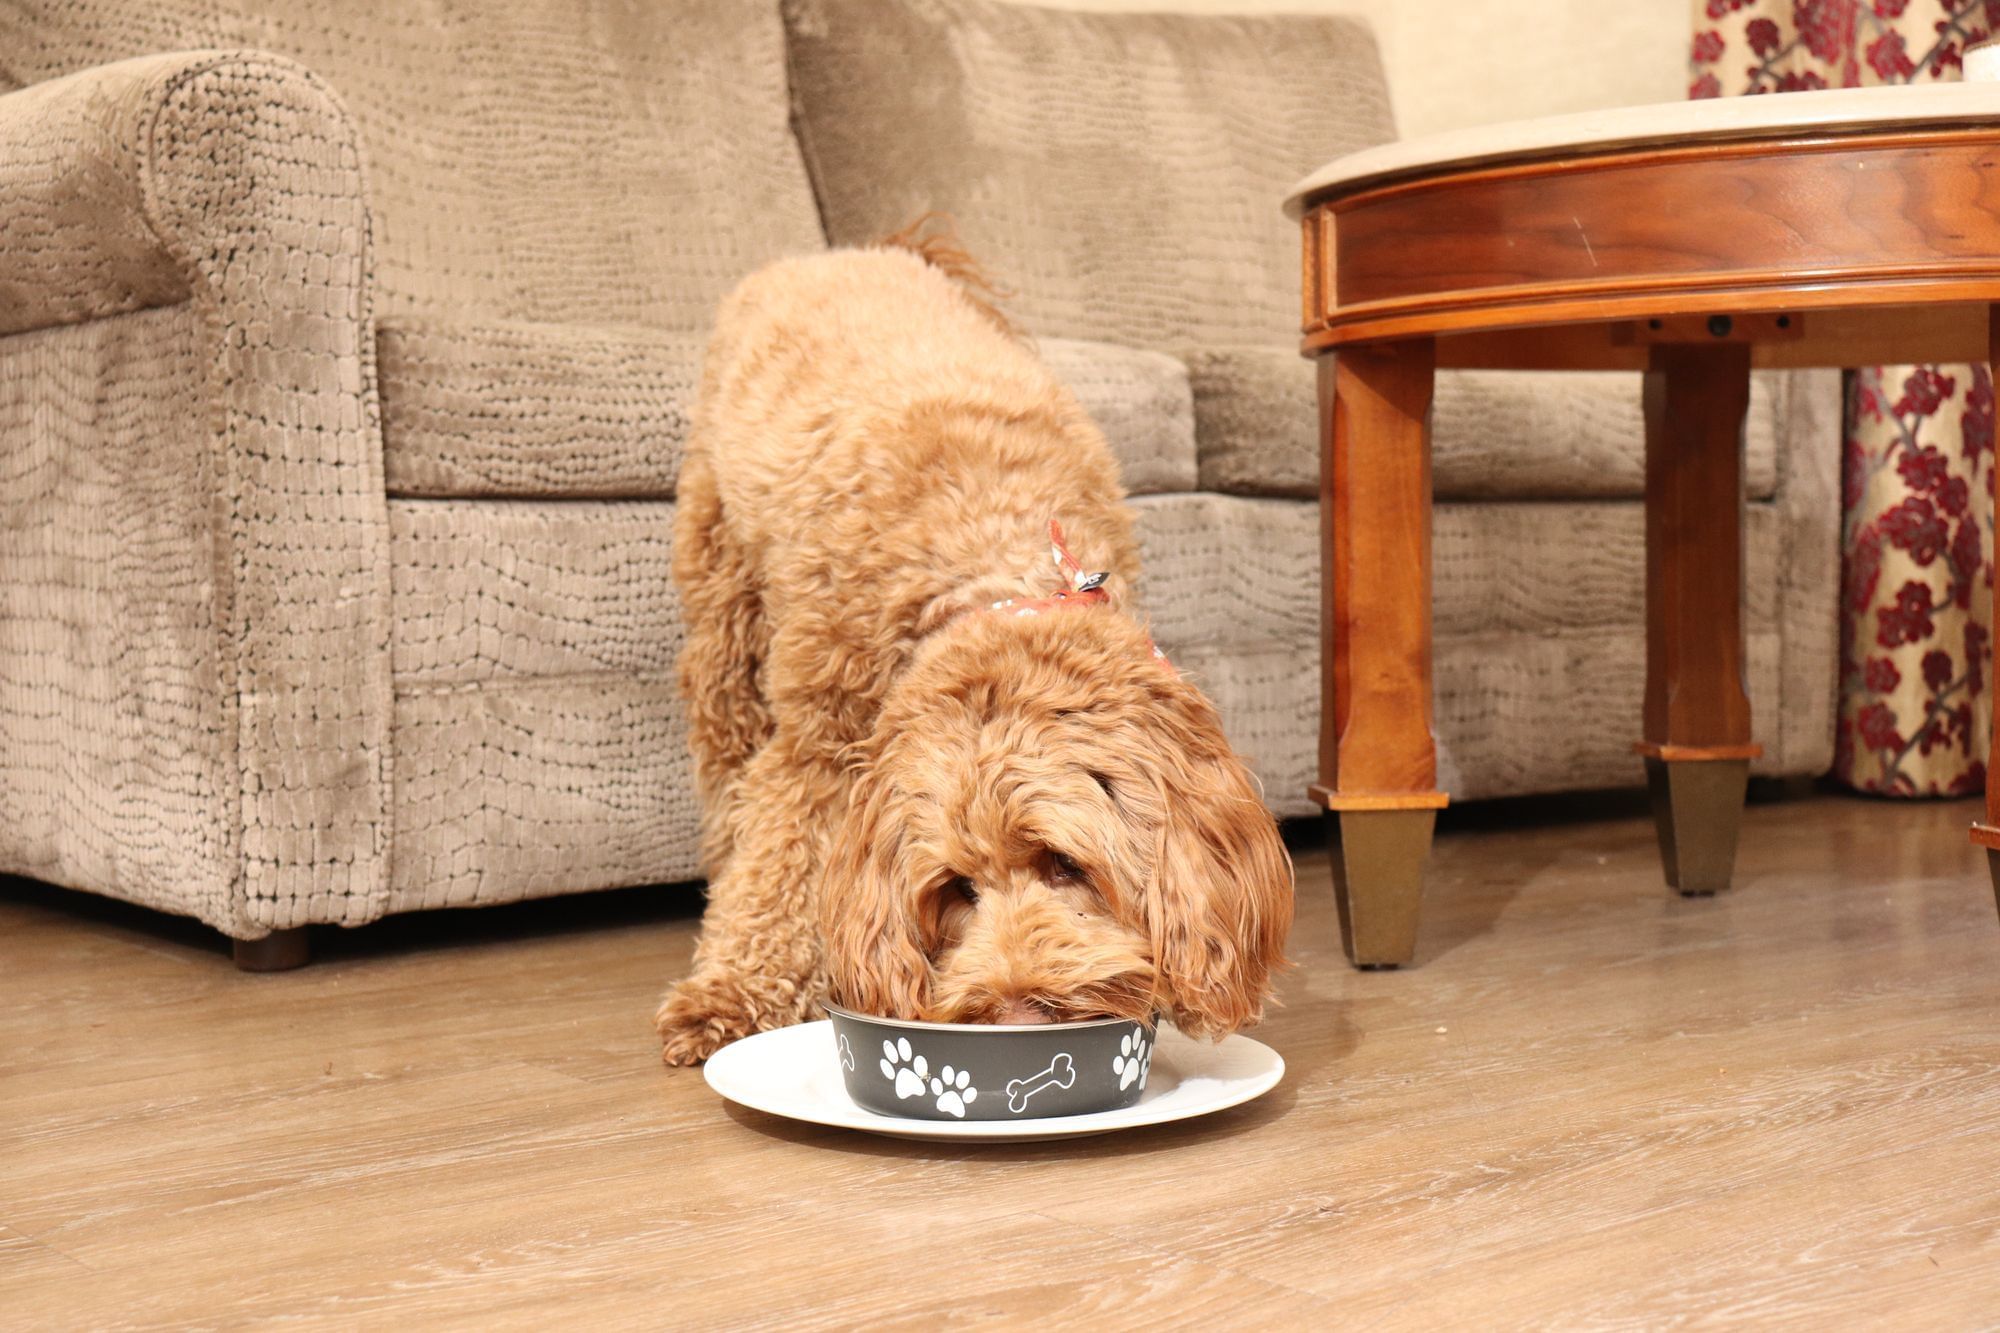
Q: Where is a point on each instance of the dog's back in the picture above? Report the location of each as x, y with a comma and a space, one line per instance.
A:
873, 454
855, 336
863, 398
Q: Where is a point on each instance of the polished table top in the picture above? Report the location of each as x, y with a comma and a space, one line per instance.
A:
1786, 115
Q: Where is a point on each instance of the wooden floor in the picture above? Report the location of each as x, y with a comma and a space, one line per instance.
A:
1589, 1103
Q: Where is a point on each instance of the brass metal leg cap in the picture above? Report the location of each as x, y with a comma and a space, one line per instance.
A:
279, 951
1378, 880
1698, 812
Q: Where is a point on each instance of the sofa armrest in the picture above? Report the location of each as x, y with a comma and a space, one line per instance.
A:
116, 181
76, 242
227, 187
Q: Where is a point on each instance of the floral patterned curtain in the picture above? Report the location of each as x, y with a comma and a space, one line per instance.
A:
1917, 573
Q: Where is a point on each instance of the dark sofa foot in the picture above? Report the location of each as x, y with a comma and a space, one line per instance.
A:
279, 951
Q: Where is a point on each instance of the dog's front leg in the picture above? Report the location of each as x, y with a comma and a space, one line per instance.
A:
757, 965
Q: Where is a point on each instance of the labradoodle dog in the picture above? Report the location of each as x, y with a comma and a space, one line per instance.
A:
942, 776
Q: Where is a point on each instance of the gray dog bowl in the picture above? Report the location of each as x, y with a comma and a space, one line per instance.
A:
977, 1071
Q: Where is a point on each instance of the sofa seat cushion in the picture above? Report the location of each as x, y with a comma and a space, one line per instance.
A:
565, 411
1539, 616
1495, 435
1141, 401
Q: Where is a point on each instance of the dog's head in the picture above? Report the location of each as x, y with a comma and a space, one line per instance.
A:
1048, 824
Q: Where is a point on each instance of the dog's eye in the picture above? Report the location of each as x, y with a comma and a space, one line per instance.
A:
958, 886
1066, 868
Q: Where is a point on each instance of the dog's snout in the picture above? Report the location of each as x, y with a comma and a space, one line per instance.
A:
1017, 1010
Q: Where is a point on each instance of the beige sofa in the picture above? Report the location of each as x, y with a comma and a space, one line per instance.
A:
345, 354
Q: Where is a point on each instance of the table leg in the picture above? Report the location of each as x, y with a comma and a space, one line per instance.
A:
1697, 743
1377, 757
1986, 832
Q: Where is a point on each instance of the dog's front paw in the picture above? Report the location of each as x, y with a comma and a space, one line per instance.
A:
703, 1014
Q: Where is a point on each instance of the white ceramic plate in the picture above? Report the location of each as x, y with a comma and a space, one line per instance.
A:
792, 1072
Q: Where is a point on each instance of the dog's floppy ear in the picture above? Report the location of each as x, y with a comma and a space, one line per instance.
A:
1219, 902
875, 957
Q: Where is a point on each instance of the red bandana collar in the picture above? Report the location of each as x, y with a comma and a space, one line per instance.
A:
1079, 589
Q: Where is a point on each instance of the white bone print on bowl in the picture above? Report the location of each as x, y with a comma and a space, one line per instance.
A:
1061, 1073
1134, 1059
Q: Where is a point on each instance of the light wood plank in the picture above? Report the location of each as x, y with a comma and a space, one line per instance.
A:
1782, 1104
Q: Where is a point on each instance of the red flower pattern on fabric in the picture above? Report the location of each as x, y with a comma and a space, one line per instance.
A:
1924, 392
1877, 726
1977, 420
1967, 556
1825, 26
1951, 496
1763, 36
1914, 526
1909, 620
1923, 469
1882, 675
1890, 58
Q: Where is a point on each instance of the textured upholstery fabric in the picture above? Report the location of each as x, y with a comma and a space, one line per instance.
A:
540, 747
1513, 435
519, 589
1540, 657
1077, 150
534, 409
586, 161
117, 760
577, 411
252, 194
1142, 403
1808, 501
540, 788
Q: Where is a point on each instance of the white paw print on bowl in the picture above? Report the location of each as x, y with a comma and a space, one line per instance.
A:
953, 1091
1134, 1059
912, 1075
907, 1072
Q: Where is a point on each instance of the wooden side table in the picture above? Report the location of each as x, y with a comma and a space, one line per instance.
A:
1692, 241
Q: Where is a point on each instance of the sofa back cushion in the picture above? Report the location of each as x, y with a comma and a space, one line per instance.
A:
551, 160
1122, 172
